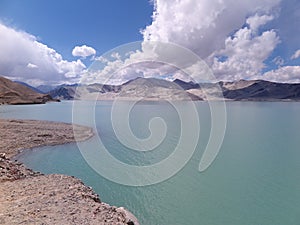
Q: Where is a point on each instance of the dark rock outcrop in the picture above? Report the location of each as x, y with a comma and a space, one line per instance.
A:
186, 85
63, 93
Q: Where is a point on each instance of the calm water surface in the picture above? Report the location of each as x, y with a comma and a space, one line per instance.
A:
255, 179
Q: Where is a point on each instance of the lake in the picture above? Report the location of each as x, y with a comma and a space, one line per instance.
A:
255, 178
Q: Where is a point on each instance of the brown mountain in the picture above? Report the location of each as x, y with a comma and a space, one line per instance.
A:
260, 90
150, 89
157, 89
15, 93
244, 90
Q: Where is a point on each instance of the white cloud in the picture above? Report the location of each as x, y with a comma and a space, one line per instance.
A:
296, 55
257, 21
116, 55
287, 74
278, 61
32, 66
209, 29
228, 34
203, 25
22, 57
244, 54
83, 51
152, 60
101, 59
71, 69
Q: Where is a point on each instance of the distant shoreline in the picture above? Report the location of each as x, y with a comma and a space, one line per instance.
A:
30, 197
150, 100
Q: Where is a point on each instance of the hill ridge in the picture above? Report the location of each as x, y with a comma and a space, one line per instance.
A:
16, 93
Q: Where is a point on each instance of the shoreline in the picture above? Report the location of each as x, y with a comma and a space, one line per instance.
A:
30, 197
38, 133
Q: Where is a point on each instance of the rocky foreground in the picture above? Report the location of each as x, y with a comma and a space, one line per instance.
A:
28, 197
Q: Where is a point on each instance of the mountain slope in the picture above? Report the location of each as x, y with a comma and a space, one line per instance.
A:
16, 93
31, 87
157, 89
87, 92
44, 89
145, 88
186, 85
64, 92
261, 90
253, 90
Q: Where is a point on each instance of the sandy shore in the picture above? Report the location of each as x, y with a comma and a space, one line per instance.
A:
28, 197
17, 135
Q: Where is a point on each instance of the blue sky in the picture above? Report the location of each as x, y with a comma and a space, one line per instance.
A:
64, 24
56, 41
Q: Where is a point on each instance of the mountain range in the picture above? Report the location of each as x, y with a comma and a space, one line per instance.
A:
151, 89
157, 89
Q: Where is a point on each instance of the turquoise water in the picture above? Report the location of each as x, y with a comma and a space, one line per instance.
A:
255, 178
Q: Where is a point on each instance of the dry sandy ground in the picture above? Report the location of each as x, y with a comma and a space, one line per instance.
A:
17, 135
28, 197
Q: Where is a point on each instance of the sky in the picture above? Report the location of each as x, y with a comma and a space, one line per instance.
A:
55, 42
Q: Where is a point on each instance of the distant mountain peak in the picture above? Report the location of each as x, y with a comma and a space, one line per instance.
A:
186, 85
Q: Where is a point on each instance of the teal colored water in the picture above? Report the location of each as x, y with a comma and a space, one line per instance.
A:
255, 178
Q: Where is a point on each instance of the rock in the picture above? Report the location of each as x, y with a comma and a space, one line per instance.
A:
3, 155
130, 223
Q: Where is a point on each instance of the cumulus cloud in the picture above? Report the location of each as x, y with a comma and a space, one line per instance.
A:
116, 55
24, 58
204, 25
257, 21
71, 69
83, 51
296, 55
228, 35
32, 66
153, 59
244, 54
286, 74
